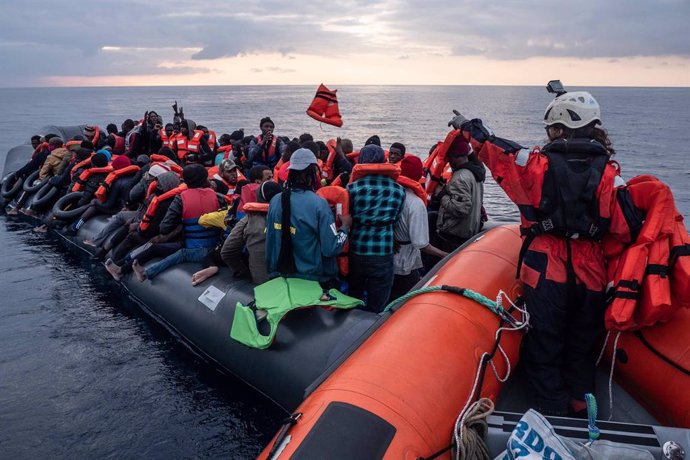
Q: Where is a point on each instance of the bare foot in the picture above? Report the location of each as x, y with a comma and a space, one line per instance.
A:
203, 275
90, 243
139, 271
114, 269
41, 229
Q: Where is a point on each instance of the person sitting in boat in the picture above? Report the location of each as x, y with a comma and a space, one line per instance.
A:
267, 148
412, 229
191, 145
301, 238
114, 140
460, 200
98, 163
94, 135
185, 209
228, 175
257, 176
562, 263
396, 152
39, 155
376, 201
280, 173
334, 163
226, 144
56, 161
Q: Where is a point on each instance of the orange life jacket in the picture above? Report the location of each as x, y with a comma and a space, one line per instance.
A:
279, 165
212, 140
353, 156
324, 107
384, 169
153, 205
69, 144
225, 150
327, 168
151, 188
650, 278
166, 140
339, 200
166, 162
81, 164
436, 163
256, 207
183, 145
413, 185
104, 188
84, 176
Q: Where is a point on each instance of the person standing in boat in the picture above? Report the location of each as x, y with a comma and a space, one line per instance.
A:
567, 195
460, 200
267, 148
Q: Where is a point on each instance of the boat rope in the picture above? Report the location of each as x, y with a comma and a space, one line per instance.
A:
474, 429
613, 365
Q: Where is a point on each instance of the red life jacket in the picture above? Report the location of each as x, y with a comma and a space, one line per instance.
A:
165, 139
436, 163
225, 150
119, 147
151, 188
212, 140
84, 176
104, 188
184, 146
415, 186
256, 207
339, 200
166, 162
69, 144
384, 169
195, 203
327, 168
650, 278
81, 165
324, 107
153, 205
271, 149
42, 147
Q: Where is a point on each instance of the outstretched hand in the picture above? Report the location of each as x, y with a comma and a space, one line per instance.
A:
457, 120
338, 145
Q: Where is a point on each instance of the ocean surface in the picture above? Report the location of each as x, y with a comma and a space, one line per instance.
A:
85, 374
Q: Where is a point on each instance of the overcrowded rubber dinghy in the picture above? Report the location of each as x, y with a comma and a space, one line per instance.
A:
392, 385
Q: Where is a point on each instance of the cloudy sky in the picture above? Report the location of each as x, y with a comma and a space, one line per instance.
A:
516, 42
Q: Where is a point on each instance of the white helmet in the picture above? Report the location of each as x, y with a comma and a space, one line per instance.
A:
573, 110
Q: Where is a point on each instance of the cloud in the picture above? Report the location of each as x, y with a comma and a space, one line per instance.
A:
272, 69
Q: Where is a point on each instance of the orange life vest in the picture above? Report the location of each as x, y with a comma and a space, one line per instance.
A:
166, 140
80, 165
69, 144
104, 188
327, 168
279, 165
650, 278
151, 188
84, 176
153, 205
184, 146
212, 140
384, 169
353, 156
415, 186
339, 200
166, 162
324, 107
225, 150
436, 163
256, 207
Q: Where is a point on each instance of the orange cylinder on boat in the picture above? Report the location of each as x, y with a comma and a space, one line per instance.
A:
413, 376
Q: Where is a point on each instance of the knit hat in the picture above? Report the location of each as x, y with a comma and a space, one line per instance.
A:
99, 160
459, 148
107, 154
371, 153
121, 162
195, 176
268, 190
373, 140
411, 167
89, 131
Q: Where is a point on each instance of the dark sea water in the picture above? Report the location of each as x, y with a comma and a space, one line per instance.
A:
85, 374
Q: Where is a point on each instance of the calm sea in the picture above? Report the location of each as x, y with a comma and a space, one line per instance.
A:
84, 374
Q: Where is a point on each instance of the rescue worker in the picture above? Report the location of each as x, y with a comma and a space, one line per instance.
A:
566, 195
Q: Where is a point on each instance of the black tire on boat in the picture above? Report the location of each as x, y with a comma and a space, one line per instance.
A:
43, 197
11, 185
64, 207
29, 185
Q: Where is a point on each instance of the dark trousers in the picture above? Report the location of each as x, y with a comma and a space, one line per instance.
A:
560, 350
402, 284
371, 279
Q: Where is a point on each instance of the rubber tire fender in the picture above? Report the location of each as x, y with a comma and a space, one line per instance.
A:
59, 211
7, 191
29, 183
44, 196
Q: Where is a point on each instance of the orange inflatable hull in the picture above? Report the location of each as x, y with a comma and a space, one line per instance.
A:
653, 365
416, 371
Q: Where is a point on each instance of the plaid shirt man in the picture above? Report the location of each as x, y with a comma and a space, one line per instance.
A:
375, 205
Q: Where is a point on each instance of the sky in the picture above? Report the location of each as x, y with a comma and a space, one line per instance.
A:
252, 42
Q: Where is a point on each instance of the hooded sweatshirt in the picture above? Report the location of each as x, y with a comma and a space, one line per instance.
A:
460, 213
55, 163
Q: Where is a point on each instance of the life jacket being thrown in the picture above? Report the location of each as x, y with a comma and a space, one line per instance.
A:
155, 202
324, 107
104, 188
195, 203
339, 200
85, 175
367, 169
415, 186
650, 278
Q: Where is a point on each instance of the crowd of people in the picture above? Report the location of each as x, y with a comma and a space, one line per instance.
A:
263, 205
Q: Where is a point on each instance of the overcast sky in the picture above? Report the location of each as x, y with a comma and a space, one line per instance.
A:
134, 42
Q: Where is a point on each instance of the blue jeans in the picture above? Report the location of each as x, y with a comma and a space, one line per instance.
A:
372, 275
179, 257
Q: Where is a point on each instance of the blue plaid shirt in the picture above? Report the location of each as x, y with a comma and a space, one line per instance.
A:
375, 205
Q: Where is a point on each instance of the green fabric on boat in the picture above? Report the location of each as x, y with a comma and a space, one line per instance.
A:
278, 297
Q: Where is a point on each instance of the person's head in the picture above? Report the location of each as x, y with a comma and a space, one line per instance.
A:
202, 128
373, 140
86, 145
153, 118
371, 153
82, 154
35, 141
305, 137
396, 152
89, 132
55, 143
291, 147
187, 127
168, 129
346, 145
166, 181
99, 160
121, 162
302, 172
224, 139
267, 126
576, 115
312, 146
228, 170
195, 176
127, 125
107, 154
260, 173
267, 191
48, 137
412, 168
111, 128
142, 160
457, 153
323, 151
167, 152
236, 136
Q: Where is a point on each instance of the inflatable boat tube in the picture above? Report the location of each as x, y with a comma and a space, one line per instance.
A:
43, 197
11, 185
399, 393
30, 184
64, 208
